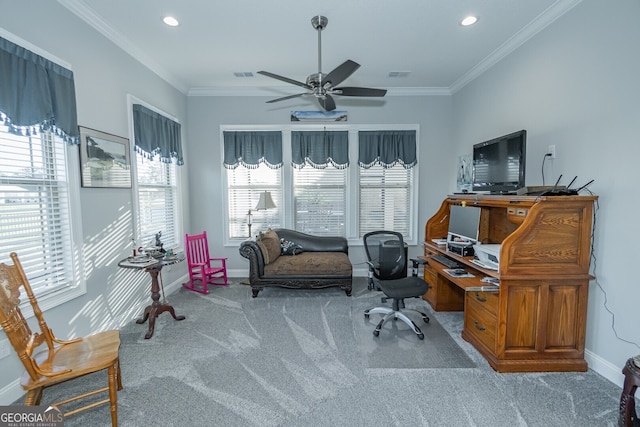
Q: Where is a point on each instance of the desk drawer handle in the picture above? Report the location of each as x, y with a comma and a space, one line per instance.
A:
478, 327
479, 298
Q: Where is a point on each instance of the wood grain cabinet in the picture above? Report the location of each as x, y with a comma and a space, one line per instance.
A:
535, 320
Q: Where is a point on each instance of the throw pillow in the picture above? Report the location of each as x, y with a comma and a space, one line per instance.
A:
290, 248
269, 244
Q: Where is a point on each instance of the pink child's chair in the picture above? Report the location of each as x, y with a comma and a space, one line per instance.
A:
202, 272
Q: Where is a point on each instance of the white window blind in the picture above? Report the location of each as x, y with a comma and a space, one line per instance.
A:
386, 199
157, 201
244, 188
320, 200
35, 209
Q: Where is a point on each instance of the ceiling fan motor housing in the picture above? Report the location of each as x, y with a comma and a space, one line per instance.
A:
319, 22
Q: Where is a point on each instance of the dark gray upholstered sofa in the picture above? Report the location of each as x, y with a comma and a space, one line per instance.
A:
323, 261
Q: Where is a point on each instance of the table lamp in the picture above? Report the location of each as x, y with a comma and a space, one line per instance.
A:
265, 202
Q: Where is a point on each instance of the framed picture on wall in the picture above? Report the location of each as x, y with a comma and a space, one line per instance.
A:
105, 159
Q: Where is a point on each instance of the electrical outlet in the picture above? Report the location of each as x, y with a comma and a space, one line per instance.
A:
5, 348
552, 151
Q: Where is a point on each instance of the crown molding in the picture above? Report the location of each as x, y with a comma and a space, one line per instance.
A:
553, 12
88, 15
542, 21
276, 91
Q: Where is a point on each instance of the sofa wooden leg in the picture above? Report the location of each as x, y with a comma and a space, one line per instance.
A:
255, 291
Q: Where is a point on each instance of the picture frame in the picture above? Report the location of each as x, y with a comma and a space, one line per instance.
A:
105, 159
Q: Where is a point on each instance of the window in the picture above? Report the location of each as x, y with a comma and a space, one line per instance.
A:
158, 145
36, 194
385, 199
157, 201
244, 188
320, 200
325, 180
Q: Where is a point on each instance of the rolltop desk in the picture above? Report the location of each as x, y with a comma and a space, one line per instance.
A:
535, 320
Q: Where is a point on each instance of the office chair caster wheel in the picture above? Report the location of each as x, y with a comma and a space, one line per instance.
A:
366, 315
421, 336
426, 320
377, 332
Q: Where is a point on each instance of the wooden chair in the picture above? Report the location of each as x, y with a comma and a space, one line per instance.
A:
202, 270
60, 360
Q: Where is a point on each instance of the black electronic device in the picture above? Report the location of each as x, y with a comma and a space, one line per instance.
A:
499, 164
565, 191
460, 249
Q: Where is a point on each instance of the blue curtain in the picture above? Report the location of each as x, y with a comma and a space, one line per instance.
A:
249, 149
36, 94
156, 134
387, 148
320, 148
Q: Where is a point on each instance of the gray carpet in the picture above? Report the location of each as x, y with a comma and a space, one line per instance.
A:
308, 358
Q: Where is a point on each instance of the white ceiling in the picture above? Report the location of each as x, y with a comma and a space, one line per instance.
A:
217, 38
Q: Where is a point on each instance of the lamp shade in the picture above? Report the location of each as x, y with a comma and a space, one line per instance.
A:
265, 202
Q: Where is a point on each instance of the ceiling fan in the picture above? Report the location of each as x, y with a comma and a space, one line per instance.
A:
323, 86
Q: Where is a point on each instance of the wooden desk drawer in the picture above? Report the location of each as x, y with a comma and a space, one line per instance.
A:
480, 323
430, 275
485, 300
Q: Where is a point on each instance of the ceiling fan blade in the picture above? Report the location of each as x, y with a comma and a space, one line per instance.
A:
285, 79
286, 97
327, 103
358, 91
341, 72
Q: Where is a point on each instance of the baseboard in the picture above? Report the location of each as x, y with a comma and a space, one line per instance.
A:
11, 392
605, 368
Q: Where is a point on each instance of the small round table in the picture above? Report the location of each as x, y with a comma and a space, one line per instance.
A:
156, 308
627, 416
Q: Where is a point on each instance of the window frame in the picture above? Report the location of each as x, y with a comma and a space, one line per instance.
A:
76, 286
178, 203
352, 184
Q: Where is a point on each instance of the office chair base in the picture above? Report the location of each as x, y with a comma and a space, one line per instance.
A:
393, 314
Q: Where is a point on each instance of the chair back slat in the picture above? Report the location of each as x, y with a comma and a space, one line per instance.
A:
197, 248
20, 335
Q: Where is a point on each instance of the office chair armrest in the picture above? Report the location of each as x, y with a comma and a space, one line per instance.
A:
416, 262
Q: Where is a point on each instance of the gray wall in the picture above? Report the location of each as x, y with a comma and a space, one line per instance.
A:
104, 76
576, 85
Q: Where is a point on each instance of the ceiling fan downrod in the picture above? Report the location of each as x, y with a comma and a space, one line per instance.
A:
319, 23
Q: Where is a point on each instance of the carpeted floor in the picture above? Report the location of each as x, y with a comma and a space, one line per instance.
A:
309, 358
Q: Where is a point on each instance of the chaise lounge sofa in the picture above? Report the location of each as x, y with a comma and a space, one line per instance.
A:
291, 259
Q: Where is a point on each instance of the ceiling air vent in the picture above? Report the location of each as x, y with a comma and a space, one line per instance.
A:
398, 74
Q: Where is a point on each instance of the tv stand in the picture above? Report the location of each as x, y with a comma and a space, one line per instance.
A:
535, 320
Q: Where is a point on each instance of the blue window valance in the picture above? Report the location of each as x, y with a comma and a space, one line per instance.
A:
387, 148
319, 149
36, 94
249, 149
156, 134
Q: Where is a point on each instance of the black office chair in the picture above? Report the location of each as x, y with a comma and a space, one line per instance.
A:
387, 261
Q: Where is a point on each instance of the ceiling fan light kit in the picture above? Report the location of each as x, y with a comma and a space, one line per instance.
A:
323, 86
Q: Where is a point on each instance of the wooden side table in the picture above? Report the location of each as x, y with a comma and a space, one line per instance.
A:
627, 416
156, 308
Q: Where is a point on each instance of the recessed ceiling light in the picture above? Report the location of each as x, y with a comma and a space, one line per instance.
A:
469, 20
170, 21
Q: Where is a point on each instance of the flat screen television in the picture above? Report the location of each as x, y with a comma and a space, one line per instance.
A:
499, 163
